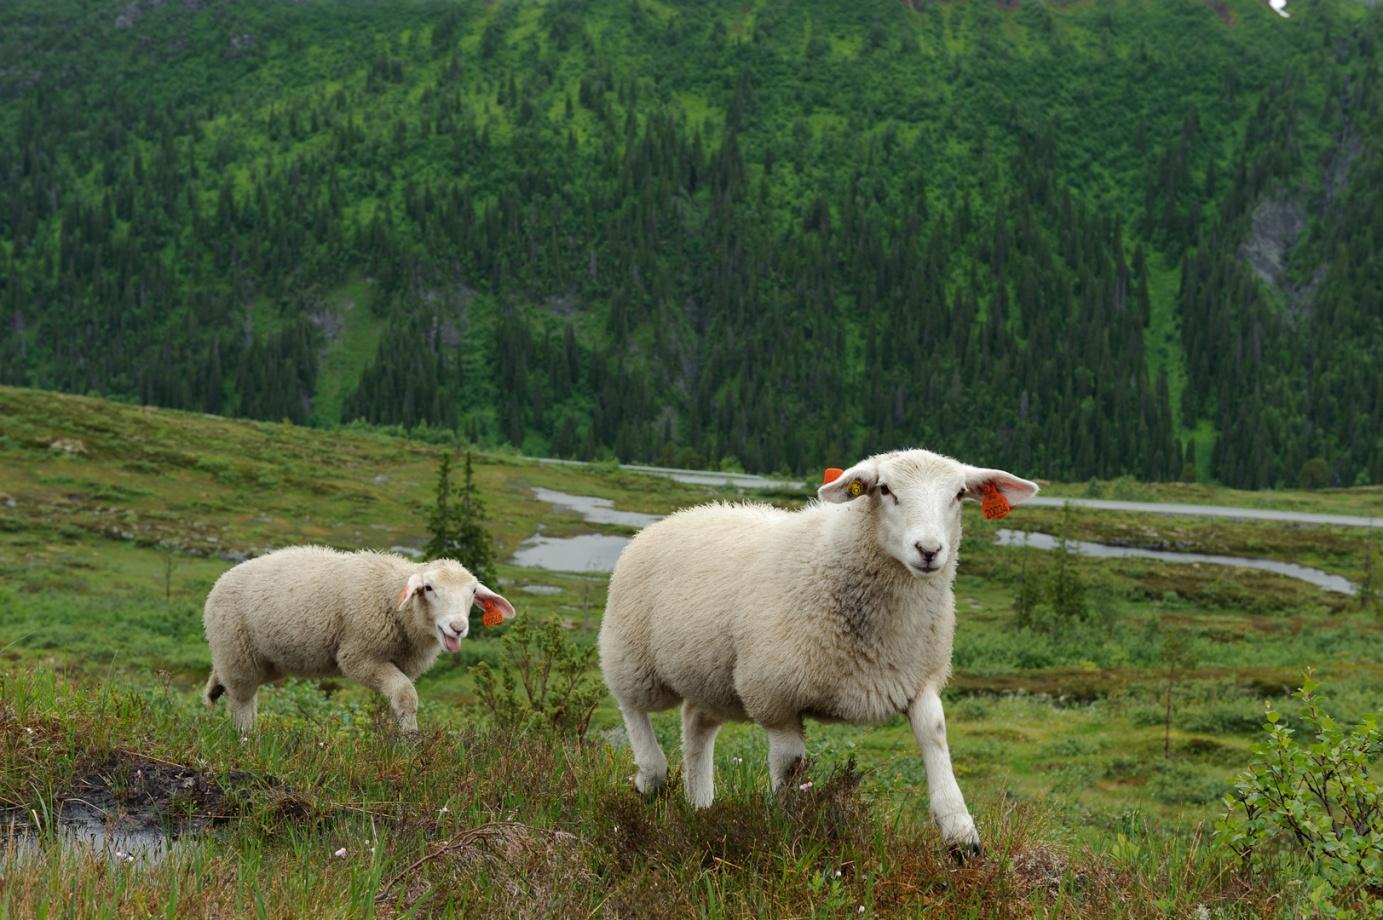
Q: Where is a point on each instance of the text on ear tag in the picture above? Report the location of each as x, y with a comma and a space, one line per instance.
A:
995, 504
856, 488
493, 616
831, 475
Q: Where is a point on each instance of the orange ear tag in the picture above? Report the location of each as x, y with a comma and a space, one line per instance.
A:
831, 475
995, 504
493, 616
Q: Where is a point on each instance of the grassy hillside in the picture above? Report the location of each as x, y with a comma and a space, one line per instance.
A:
115, 520
717, 232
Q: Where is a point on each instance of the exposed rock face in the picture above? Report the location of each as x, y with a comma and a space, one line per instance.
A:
1277, 224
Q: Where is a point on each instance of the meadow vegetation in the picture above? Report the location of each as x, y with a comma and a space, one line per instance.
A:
1092, 803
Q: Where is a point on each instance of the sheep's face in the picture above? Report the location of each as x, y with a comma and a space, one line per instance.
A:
438, 600
914, 498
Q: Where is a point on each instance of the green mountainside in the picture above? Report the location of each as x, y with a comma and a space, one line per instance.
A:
1072, 239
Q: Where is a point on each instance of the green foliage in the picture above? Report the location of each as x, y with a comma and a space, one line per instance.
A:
1058, 603
474, 546
698, 236
546, 681
1315, 474
1320, 797
1178, 655
441, 523
457, 528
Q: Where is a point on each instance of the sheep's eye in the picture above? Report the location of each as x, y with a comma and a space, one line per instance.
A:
960, 495
883, 490
427, 587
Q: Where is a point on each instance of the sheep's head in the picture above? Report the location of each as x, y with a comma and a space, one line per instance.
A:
439, 596
913, 498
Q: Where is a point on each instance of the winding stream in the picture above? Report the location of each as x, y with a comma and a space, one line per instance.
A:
1104, 551
597, 553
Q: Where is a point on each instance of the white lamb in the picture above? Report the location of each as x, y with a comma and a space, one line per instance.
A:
841, 611
309, 611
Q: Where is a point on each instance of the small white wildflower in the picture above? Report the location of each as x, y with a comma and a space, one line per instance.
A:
129, 857
861, 910
321, 744
29, 730
341, 853
739, 760
837, 873
805, 786
119, 855
443, 810
244, 739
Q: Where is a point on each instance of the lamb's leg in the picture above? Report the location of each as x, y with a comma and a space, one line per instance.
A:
648, 756
698, 748
786, 748
242, 700
385, 678
948, 805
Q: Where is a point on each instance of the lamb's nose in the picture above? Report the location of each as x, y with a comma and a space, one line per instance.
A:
459, 627
929, 552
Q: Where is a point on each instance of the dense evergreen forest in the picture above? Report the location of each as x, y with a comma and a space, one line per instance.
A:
1080, 240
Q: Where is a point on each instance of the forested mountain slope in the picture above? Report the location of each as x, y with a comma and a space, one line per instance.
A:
1073, 239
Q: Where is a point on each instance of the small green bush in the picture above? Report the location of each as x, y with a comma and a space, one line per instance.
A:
1321, 798
546, 681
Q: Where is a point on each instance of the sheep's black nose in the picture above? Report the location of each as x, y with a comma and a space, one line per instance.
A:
929, 553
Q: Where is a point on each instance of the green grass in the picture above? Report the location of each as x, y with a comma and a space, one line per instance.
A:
348, 354
106, 555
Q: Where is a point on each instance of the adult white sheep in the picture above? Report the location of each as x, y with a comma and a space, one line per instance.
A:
841, 611
309, 611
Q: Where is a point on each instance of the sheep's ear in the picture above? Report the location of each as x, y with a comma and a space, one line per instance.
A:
850, 484
496, 608
415, 584
997, 490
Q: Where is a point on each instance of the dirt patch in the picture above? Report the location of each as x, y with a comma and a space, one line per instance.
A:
142, 793
122, 799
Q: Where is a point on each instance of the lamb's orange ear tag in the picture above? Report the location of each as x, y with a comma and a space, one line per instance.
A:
995, 504
831, 475
492, 615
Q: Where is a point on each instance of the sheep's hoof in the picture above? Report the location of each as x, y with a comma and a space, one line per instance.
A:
964, 851
648, 784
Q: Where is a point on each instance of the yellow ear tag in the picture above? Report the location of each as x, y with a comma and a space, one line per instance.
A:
856, 488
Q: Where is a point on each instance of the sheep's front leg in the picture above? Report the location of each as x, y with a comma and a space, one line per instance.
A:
385, 678
699, 730
948, 805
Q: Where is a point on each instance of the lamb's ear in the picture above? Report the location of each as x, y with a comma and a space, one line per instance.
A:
496, 608
1013, 488
851, 483
415, 584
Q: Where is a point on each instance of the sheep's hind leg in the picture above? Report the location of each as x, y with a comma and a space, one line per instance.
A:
385, 678
243, 702
699, 730
648, 756
948, 805
786, 749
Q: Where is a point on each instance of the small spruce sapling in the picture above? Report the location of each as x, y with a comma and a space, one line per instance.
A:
1179, 656
457, 528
